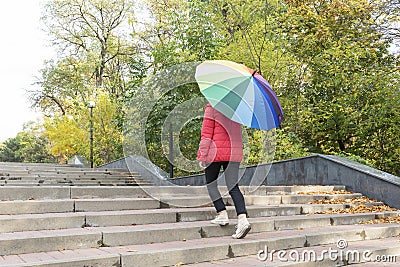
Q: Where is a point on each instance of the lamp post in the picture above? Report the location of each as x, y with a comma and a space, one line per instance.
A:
91, 105
171, 152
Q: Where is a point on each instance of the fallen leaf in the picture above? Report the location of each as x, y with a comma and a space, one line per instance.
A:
334, 192
355, 200
359, 209
382, 220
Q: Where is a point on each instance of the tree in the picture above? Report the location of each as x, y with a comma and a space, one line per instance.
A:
93, 29
94, 41
183, 31
7, 151
63, 85
69, 135
28, 146
388, 19
347, 71
180, 31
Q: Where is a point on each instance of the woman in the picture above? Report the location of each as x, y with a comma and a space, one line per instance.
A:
221, 146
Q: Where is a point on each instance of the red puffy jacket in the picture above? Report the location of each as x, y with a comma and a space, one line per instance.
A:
221, 138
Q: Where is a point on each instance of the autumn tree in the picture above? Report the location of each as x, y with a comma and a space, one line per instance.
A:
69, 135
347, 71
95, 48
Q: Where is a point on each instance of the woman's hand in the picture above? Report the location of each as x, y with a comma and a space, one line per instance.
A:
202, 164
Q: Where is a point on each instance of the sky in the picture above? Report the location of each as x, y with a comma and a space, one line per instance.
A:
23, 49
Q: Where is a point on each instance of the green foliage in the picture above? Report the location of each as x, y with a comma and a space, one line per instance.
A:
346, 79
181, 31
189, 134
189, 137
328, 61
8, 151
288, 146
63, 85
253, 35
28, 146
259, 146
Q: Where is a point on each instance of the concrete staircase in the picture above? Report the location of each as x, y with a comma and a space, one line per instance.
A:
169, 226
32, 174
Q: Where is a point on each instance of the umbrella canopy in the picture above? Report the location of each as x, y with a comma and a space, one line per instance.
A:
239, 93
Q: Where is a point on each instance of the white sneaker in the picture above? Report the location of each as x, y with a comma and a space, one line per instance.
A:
221, 219
242, 228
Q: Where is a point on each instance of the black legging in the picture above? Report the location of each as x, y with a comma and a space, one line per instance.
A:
231, 173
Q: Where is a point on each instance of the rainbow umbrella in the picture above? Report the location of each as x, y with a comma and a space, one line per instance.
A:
239, 93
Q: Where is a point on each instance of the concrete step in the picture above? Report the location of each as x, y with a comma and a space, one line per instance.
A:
48, 240
64, 258
61, 192
66, 173
161, 218
158, 233
71, 183
53, 221
75, 205
60, 179
194, 201
138, 217
366, 253
148, 225
21, 166
68, 177
12, 207
56, 174
187, 251
78, 183
295, 198
298, 188
40, 222
170, 253
29, 192
67, 192
49, 221
45, 221
160, 191
28, 164
36, 206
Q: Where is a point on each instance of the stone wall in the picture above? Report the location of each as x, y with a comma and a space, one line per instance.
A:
317, 170
313, 170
